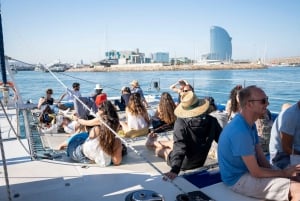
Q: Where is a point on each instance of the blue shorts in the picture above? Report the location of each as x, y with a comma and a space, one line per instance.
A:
74, 150
69, 105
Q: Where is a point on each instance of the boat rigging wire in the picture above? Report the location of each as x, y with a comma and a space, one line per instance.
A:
116, 134
87, 81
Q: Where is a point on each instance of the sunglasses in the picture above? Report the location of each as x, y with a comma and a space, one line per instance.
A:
262, 101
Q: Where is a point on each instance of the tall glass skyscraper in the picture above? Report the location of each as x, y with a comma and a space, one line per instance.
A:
220, 44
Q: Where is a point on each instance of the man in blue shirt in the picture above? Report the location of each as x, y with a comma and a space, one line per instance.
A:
243, 165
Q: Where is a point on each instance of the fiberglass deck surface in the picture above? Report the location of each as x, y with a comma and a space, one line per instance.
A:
61, 179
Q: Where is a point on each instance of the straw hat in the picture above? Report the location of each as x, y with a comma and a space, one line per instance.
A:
98, 86
134, 83
191, 106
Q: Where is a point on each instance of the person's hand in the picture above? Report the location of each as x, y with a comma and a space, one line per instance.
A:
291, 171
180, 81
169, 175
75, 117
42, 100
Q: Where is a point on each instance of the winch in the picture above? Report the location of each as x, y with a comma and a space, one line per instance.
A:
144, 195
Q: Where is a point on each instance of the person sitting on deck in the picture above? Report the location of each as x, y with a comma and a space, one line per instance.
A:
264, 126
137, 118
70, 97
164, 116
242, 163
72, 127
100, 145
125, 94
99, 97
222, 120
232, 105
137, 89
47, 100
182, 84
285, 137
194, 132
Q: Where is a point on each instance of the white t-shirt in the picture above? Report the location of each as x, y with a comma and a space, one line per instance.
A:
93, 151
70, 98
136, 122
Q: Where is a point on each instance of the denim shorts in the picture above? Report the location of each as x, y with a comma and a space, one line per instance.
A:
74, 150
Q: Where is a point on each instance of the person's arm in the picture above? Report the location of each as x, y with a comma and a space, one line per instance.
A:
179, 150
41, 101
261, 158
94, 132
91, 122
260, 172
62, 97
287, 143
228, 107
173, 87
117, 153
122, 100
145, 103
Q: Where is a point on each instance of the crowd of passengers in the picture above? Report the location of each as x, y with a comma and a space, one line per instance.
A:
241, 136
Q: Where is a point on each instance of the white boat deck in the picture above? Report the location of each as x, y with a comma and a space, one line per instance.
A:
61, 179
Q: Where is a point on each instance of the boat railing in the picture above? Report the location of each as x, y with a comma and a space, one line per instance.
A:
278, 91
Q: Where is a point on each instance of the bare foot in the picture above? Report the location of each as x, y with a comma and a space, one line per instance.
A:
152, 137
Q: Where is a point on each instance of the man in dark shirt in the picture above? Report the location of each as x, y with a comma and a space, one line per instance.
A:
194, 132
124, 98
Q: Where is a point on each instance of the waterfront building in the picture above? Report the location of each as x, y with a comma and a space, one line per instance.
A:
160, 57
220, 44
180, 61
126, 57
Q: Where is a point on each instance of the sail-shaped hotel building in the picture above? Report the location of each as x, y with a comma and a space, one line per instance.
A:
220, 44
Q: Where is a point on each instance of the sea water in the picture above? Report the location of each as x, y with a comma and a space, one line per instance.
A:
281, 84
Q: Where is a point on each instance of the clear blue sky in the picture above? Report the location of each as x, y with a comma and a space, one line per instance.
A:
71, 30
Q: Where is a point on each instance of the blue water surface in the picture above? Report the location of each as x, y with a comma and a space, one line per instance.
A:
280, 83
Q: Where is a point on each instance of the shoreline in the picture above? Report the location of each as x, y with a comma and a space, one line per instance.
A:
141, 67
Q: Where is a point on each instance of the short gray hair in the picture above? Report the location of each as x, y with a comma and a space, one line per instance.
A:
245, 94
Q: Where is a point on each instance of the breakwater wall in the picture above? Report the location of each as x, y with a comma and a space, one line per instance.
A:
141, 67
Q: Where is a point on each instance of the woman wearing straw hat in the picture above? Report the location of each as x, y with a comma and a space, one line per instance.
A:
194, 131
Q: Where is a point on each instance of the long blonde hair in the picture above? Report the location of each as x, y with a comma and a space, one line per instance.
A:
136, 107
166, 108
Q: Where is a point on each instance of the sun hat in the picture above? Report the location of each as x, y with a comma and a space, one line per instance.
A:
98, 86
191, 106
134, 83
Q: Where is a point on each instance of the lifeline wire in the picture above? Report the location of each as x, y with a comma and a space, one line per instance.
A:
114, 132
87, 81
